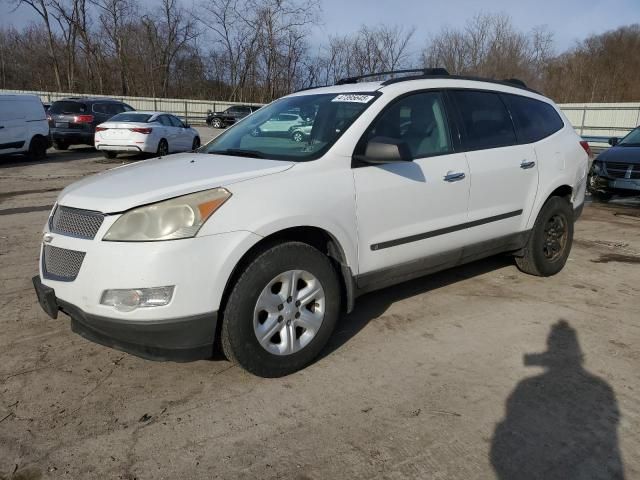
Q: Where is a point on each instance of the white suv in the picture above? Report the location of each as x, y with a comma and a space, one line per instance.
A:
265, 241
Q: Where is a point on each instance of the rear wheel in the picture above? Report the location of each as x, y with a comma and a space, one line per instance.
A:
108, 154
196, 143
60, 145
38, 148
281, 310
297, 136
550, 240
163, 148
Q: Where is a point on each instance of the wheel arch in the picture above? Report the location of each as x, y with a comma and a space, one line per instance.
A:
563, 190
314, 236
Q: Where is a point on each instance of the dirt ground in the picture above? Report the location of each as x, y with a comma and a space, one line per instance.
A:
478, 372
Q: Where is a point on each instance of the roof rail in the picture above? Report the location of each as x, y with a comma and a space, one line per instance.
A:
423, 72
515, 81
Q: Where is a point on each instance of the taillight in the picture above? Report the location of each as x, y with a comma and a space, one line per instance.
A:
584, 144
101, 129
146, 131
83, 118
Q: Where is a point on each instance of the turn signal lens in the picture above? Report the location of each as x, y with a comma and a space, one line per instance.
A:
83, 118
127, 300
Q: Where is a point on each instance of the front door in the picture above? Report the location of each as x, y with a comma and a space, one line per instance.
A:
410, 214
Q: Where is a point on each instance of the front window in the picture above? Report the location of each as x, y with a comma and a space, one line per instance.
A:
297, 128
632, 139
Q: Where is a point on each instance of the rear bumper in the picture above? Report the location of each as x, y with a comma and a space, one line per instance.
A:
72, 137
119, 148
177, 339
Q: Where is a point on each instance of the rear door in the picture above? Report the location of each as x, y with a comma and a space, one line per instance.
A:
504, 174
169, 132
411, 215
184, 138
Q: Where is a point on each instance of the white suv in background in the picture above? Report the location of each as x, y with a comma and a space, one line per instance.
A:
23, 126
265, 241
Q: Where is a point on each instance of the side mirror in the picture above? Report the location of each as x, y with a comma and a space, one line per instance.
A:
380, 150
613, 141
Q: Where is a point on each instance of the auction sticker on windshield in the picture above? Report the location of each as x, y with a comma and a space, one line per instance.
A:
353, 98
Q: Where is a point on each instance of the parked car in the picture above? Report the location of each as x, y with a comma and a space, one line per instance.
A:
145, 132
616, 171
280, 125
73, 120
302, 132
229, 116
23, 126
266, 240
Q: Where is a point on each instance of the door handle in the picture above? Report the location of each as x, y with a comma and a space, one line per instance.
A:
527, 164
454, 176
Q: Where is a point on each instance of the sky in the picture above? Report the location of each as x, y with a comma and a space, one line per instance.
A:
569, 20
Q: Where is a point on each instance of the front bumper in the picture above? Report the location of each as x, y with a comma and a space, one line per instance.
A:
622, 186
176, 339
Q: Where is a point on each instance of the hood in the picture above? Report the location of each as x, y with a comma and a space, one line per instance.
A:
158, 179
620, 154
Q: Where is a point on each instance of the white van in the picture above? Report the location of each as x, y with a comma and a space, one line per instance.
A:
23, 126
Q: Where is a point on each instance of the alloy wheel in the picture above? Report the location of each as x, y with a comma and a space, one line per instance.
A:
289, 312
555, 237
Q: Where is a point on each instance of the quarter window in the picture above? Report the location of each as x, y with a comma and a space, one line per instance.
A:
534, 119
419, 121
485, 120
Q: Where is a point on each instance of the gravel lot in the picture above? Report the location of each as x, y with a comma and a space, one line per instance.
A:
429, 379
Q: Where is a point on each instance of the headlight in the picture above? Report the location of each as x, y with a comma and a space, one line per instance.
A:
179, 217
597, 167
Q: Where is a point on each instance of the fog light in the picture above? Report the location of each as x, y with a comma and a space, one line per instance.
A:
129, 299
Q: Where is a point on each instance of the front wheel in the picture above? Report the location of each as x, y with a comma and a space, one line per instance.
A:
281, 310
196, 143
60, 145
550, 241
216, 123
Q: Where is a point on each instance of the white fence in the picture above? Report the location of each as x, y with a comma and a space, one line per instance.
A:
192, 111
589, 119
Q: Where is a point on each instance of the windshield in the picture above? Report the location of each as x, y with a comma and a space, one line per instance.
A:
297, 128
131, 117
632, 139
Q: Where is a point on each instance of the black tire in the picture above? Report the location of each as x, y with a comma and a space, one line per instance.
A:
108, 154
60, 145
238, 338
216, 122
163, 148
550, 240
38, 148
196, 143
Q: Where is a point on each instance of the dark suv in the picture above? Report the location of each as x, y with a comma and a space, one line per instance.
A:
73, 120
229, 116
616, 171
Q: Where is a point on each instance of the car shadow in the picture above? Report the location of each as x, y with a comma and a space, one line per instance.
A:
374, 304
561, 424
53, 156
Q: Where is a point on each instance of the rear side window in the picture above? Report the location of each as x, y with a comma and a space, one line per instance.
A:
108, 108
176, 122
534, 119
67, 107
164, 120
485, 120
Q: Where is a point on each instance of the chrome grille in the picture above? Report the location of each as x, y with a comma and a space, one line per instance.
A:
61, 263
617, 169
75, 222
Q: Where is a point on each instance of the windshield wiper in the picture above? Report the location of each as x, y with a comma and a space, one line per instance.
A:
239, 152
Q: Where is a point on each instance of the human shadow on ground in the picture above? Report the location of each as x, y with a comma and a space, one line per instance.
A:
562, 424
